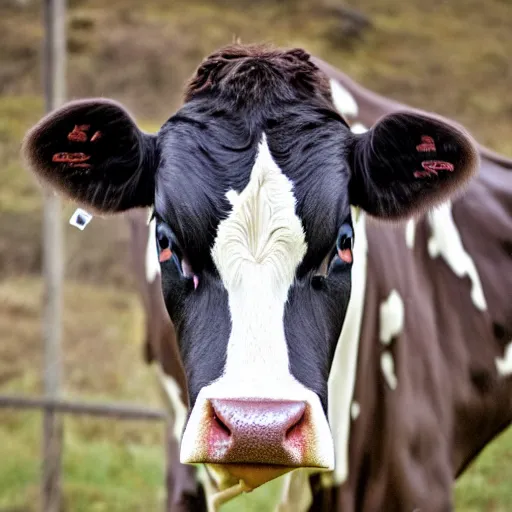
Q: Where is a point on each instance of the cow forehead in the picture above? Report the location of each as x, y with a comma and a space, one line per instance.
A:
202, 170
263, 232
257, 250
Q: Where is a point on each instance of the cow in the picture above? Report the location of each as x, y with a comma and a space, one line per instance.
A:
340, 306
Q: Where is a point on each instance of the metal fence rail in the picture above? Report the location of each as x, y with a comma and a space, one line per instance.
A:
116, 410
57, 406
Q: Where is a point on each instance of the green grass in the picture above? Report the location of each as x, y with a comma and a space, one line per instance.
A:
486, 486
19, 466
109, 465
104, 476
99, 474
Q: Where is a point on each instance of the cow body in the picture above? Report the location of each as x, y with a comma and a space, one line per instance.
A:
430, 388
412, 436
418, 380
445, 292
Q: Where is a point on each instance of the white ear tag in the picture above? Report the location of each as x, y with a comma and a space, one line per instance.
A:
80, 219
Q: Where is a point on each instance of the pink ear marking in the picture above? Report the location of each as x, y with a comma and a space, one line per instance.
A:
96, 136
432, 167
345, 255
165, 255
196, 281
437, 165
70, 158
424, 174
78, 133
427, 144
83, 166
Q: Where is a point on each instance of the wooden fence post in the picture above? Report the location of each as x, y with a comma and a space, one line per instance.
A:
54, 62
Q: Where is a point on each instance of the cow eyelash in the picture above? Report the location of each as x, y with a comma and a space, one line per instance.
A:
342, 252
340, 256
170, 249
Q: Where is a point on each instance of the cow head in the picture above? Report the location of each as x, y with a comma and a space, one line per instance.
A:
251, 183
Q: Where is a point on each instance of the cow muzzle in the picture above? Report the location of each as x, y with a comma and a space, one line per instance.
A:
256, 440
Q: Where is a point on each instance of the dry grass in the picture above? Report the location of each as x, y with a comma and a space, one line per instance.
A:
452, 57
102, 334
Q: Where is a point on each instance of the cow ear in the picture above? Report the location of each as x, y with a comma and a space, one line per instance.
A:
93, 152
409, 162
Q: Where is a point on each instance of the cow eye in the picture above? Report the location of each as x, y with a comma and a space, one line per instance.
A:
170, 250
340, 257
342, 254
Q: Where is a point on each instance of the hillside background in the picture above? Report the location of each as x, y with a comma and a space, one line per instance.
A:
452, 57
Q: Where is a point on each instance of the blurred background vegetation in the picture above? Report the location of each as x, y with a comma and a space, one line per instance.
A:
448, 56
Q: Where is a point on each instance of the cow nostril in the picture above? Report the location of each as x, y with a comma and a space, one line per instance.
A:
221, 425
296, 429
240, 426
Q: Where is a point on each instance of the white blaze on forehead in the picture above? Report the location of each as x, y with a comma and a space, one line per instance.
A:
446, 242
152, 263
504, 364
344, 367
263, 232
343, 100
391, 317
256, 251
410, 231
387, 366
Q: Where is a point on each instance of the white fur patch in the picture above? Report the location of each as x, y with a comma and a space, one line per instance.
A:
410, 232
504, 364
344, 367
358, 128
262, 234
391, 317
355, 410
257, 250
343, 101
446, 242
346, 105
152, 263
387, 366
232, 197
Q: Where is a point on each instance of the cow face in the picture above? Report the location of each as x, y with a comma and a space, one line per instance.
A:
251, 183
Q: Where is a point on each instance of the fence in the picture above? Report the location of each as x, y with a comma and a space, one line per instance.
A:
53, 406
